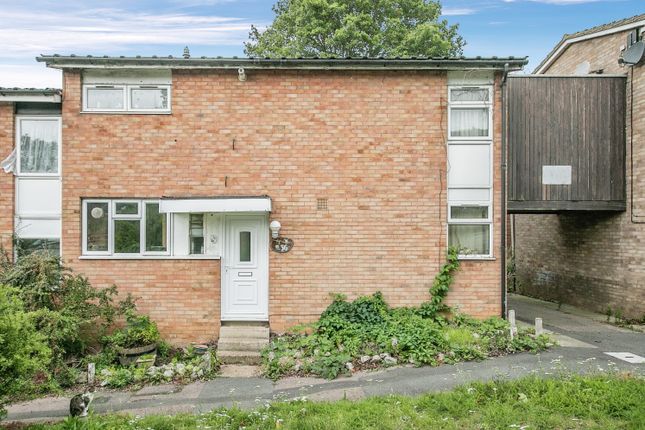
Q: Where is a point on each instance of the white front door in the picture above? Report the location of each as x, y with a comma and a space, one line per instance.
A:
245, 268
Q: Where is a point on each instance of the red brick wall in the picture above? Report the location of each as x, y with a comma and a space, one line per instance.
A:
6, 179
372, 143
594, 260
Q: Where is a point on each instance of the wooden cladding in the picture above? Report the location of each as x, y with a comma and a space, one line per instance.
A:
561, 124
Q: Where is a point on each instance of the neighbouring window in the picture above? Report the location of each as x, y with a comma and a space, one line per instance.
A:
127, 98
471, 239
469, 212
124, 227
38, 146
46, 246
470, 112
196, 232
469, 122
470, 172
469, 94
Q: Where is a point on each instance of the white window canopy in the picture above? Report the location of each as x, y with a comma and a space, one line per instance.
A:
215, 204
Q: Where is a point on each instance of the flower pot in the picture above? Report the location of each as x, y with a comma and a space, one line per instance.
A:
128, 356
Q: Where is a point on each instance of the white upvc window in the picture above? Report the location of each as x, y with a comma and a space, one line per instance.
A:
38, 145
153, 98
126, 98
104, 98
470, 113
470, 170
124, 227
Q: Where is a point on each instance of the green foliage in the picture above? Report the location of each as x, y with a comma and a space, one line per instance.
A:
357, 28
363, 310
139, 330
607, 402
23, 350
367, 333
440, 286
64, 307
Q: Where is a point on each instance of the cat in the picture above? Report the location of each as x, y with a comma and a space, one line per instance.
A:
80, 404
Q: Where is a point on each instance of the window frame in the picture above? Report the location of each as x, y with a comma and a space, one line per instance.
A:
127, 98
471, 105
129, 89
472, 140
18, 131
487, 220
87, 87
190, 236
85, 214
141, 217
115, 215
462, 256
144, 211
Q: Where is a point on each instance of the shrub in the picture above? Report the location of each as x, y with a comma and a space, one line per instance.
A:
23, 350
70, 313
139, 330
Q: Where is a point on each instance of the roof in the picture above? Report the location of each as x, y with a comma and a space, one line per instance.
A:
16, 94
590, 33
495, 63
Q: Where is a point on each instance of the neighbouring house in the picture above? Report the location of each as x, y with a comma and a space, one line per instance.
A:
184, 181
595, 258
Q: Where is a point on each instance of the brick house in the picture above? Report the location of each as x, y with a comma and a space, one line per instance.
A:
177, 179
593, 259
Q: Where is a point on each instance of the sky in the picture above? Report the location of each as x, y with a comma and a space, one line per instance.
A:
29, 28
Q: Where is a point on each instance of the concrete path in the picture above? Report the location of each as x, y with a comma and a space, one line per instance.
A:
584, 340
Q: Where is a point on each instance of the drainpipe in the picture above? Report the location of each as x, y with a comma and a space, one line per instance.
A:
503, 174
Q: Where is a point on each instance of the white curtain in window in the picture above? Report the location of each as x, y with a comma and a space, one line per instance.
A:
9, 163
468, 122
39, 146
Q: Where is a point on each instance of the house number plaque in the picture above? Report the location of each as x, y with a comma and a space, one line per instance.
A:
282, 244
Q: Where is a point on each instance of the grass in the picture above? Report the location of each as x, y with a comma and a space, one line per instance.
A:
607, 401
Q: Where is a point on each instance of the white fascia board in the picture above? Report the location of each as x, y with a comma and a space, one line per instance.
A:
234, 204
568, 42
38, 98
129, 77
471, 77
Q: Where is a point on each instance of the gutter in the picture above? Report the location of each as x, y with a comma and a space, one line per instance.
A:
89, 62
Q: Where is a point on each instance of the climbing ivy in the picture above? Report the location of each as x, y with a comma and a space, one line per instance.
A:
440, 286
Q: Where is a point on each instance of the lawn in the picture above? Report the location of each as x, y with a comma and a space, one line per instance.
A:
567, 402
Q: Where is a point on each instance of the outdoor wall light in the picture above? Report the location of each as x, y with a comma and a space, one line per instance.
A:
275, 228
241, 74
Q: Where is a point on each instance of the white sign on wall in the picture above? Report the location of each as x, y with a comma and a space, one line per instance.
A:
556, 175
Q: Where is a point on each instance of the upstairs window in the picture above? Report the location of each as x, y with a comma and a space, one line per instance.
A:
104, 98
470, 115
126, 98
38, 146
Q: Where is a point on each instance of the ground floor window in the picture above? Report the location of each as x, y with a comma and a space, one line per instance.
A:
42, 245
124, 227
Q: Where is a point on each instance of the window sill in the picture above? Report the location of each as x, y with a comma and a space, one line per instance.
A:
124, 112
475, 258
149, 257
